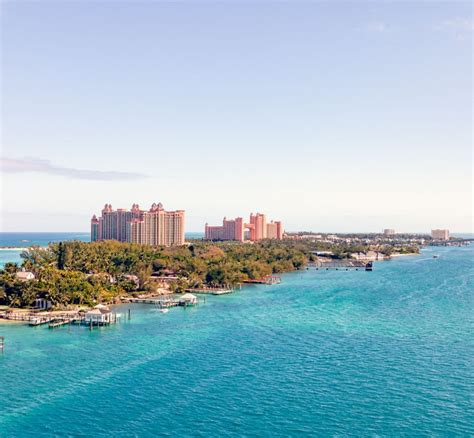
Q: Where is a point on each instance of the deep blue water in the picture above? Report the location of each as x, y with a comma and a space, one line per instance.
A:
325, 353
25, 240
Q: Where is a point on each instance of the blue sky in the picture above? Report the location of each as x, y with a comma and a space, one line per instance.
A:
336, 116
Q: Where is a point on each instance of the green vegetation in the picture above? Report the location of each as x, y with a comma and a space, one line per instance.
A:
86, 273
82, 273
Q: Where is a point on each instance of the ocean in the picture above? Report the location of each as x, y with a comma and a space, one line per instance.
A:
324, 353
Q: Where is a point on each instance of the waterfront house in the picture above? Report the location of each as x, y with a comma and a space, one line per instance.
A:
188, 300
99, 315
25, 275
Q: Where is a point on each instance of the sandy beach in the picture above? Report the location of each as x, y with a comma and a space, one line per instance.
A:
4, 321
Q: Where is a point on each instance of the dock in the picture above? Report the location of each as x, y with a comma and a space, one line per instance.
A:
162, 303
343, 265
58, 320
268, 279
211, 290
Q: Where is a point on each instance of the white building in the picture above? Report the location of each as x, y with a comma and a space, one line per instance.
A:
440, 234
188, 300
25, 275
389, 232
99, 315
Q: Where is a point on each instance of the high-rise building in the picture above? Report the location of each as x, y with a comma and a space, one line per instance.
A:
94, 228
214, 232
441, 234
389, 232
153, 227
274, 230
236, 229
259, 229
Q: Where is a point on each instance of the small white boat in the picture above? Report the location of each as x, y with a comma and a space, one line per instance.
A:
164, 310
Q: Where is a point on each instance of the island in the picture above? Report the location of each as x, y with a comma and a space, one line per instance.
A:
75, 273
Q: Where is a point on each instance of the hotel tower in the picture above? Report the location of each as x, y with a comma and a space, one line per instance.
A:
153, 227
236, 229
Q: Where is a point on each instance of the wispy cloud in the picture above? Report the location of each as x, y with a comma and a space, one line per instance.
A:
24, 165
460, 27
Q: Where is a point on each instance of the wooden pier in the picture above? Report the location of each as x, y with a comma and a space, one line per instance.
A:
158, 302
268, 279
343, 265
211, 290
58, 320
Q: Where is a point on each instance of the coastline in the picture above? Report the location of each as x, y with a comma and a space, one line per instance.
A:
5, 321
14, 248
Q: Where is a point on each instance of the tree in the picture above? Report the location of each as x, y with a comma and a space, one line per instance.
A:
61, 256
11, 268
143, 273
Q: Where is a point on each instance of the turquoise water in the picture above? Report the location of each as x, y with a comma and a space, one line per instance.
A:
387, 352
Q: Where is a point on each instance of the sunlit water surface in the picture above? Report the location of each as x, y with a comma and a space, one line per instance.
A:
387, 352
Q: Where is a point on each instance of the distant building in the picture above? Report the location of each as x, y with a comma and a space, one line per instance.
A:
389, 232
235, 229
188, 300
25, 276
99, 315
153, 227
275, 230
43, 304
232, 229
440, 234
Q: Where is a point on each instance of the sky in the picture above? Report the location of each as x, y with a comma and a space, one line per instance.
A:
329, 116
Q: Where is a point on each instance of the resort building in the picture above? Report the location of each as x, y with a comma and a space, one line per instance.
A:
389, 232
230, 230
441, 234
153, 227
274, 230
235, 229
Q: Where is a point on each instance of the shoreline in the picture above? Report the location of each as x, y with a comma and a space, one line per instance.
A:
5, 321
166, 294
14, 248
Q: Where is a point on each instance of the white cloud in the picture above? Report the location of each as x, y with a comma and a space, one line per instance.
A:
23, 165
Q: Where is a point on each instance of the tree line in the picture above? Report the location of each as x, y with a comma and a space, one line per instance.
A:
81, 273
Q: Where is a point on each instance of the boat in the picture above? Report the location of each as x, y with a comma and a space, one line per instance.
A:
164, 310
436, 256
